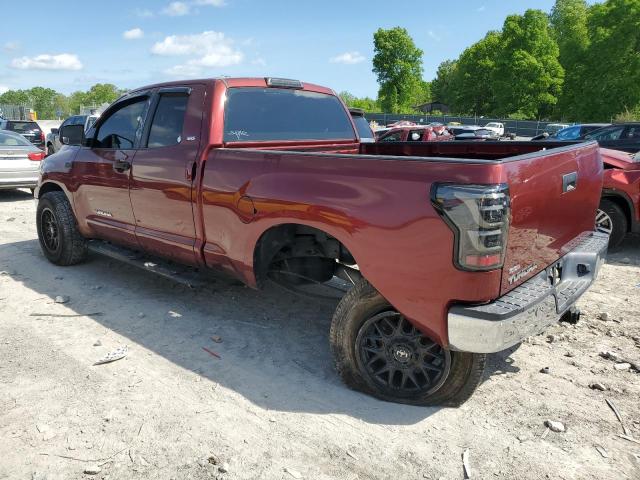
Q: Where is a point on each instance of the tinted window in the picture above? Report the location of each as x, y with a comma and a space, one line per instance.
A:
22, 126
633, 132
8, 140
364, 130
283, 114
123, 127
609, 133
166, 127
392, 137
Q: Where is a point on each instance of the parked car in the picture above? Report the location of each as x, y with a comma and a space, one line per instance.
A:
574, 132
444, 264
496, 127
473, 132
620, 136
19, 161
619, 210
53, 139
28, 129
364, 129
416, 133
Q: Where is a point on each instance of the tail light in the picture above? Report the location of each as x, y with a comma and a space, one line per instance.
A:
479, 217
36, 156
41, 136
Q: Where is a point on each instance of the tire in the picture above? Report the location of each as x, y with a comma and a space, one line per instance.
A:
611, 219
351, 343
55, 219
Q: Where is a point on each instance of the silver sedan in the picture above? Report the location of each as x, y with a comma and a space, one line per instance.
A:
19, 161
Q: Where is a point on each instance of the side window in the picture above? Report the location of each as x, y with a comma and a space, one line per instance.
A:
633, 132
608, 134
123, 127
415, 135
392, 137
166, 127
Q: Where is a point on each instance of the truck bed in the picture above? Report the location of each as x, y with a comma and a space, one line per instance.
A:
378, 204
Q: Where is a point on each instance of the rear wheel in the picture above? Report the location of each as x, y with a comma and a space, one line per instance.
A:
378, 351
58, 232
610, 219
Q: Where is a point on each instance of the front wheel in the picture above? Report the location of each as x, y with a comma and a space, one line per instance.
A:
379, 352
60, 239
610, 219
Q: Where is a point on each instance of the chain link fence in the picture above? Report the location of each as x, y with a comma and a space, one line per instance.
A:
15, 112
522, 128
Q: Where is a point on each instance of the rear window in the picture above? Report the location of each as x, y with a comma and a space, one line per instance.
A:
364, 130
22, 126
8, 140
263, 114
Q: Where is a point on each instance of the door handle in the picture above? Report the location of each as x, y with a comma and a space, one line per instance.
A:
121, 165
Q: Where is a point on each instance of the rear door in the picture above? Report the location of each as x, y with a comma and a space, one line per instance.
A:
103, 169
163, 172
554, 196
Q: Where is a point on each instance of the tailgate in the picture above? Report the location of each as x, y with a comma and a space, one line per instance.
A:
554, 196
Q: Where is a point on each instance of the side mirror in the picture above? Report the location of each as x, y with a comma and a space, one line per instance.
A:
72, 134
54, 131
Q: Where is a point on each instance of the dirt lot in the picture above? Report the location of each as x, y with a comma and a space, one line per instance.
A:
271, 406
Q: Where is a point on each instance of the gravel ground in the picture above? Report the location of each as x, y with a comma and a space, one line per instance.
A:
270, 404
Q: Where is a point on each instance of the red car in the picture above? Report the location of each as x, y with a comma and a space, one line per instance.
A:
451, 250
619, 211
416, 133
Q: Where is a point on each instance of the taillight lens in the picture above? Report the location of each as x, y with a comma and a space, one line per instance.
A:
479, 217
36, 156
42, 136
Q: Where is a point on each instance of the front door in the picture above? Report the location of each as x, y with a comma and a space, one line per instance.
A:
162, 174
103, 169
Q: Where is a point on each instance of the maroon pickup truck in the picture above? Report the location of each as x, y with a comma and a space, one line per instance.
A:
452, 250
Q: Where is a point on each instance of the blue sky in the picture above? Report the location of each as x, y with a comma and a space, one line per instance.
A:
74, 44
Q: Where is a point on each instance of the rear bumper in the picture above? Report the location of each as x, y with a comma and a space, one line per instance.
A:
531, 307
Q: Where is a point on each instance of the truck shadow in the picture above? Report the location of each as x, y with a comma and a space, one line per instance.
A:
274, 349
628, 253
14, 195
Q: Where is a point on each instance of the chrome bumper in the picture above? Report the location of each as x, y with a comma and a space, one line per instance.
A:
531, 307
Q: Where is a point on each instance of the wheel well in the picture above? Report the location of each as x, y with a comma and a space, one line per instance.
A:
49, 187
308, 245
623, 204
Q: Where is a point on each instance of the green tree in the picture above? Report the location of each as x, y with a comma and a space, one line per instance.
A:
569, 20
471, 88
103, 93
611, 76
367, 104
42, 100
398, 65
441, 90
15, 97
528, 76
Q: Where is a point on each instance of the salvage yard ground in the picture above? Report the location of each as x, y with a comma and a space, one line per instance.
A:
268, 404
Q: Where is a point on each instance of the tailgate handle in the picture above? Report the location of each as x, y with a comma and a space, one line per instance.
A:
569, 182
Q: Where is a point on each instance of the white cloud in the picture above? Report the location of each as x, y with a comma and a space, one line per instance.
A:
63, 61
143, 13
261, 62
481, 8
133, 34
11, 46
3, 88
348, 58
184, 71
434, 36
212, 3
177, 9
207, 49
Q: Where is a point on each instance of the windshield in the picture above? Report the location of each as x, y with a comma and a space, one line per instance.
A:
364, 130
22, 126
570, 133
263, 114
10, 140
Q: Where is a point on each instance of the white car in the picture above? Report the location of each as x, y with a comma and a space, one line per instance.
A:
19, 161
496, 127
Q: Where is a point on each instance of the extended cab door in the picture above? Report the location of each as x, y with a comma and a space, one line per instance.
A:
163, 172
102, 171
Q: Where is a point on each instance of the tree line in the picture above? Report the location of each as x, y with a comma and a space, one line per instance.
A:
48, 103
578, 62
